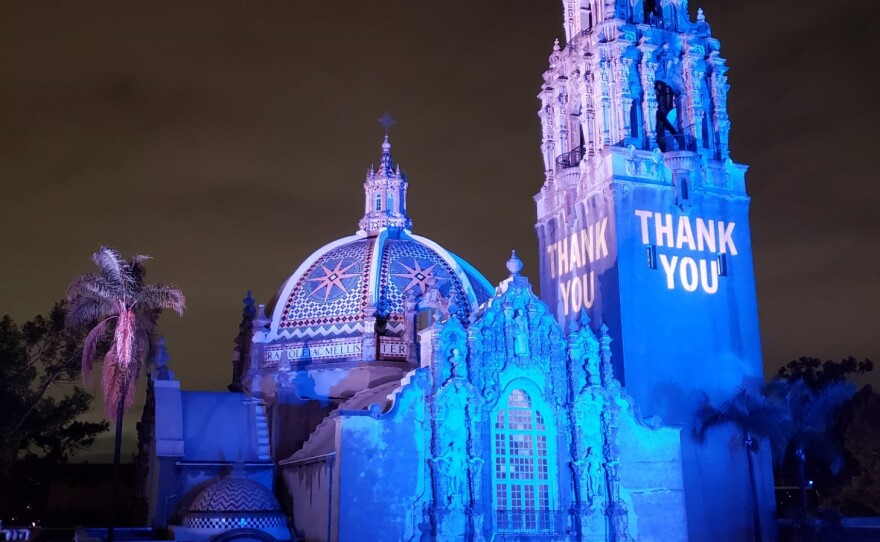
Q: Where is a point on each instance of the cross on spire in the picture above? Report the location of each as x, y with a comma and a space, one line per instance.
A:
387, 121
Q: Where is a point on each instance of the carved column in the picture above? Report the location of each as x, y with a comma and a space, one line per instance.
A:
561, 108
692, 75
605, 90
547, 138
410, 315
369, 341
719, 88
624, 91
589, 110
649, 103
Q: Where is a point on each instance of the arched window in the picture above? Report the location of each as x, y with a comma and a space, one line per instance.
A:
523, 474
390, 206
378, 202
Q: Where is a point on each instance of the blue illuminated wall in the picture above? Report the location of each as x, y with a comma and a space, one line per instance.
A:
688, 312
642, 220
672, 277
508, 430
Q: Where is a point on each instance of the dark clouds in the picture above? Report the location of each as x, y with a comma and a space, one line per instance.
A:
229, 142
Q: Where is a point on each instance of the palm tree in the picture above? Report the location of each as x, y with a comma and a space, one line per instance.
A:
757, 418
116, 298
810, 412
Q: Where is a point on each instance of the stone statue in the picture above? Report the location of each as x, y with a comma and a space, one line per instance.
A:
452, 467
521, 335
595, 480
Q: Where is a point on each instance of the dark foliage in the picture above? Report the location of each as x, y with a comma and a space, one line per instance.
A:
812, 413
816, 374
848, 438
40, 400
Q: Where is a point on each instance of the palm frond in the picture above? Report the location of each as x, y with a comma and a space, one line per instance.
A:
118, 384
138, 271
820, 411
162, 296
86, 310
752, 414
111, 263
706, 418
812, 411
94, 286
90, 349
124, 336
143, 347
110, 384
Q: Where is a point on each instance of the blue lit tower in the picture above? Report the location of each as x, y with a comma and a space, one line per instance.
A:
643, 223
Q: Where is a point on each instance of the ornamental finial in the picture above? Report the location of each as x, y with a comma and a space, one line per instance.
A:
700, 15
514, 264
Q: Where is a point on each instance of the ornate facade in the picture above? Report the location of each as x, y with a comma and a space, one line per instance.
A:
389, 392
397, 396
643, 221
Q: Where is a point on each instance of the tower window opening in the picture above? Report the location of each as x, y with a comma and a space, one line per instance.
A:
651, 11
523, 473
424, 319
390, 205
682, 189
586, 15
634, 119
378, 202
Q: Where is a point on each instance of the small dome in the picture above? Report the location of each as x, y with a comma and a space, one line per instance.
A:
233, 503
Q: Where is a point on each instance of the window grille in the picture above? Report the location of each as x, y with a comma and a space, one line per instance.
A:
522, 470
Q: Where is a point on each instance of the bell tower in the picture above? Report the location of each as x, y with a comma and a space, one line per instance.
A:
642, 222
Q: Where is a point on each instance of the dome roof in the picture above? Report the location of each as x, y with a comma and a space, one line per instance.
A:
235, 502
347, 281
363, 284
235, 495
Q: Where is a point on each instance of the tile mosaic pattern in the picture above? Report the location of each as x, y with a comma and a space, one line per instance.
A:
333, 290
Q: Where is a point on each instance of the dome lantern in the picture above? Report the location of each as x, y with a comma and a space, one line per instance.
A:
385, 193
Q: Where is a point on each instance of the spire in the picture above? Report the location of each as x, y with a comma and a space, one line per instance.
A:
385, 192
385, 162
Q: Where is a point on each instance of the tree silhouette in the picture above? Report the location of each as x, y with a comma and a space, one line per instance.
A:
815, 373
811, 414
756, 418
39, 402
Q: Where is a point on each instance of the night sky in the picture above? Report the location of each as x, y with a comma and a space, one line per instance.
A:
231, 142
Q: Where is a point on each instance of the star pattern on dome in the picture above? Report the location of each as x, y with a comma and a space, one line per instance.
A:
333, 278
423, 278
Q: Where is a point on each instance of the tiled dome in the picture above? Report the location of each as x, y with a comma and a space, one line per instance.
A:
345, 282
235, 503
357, 287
